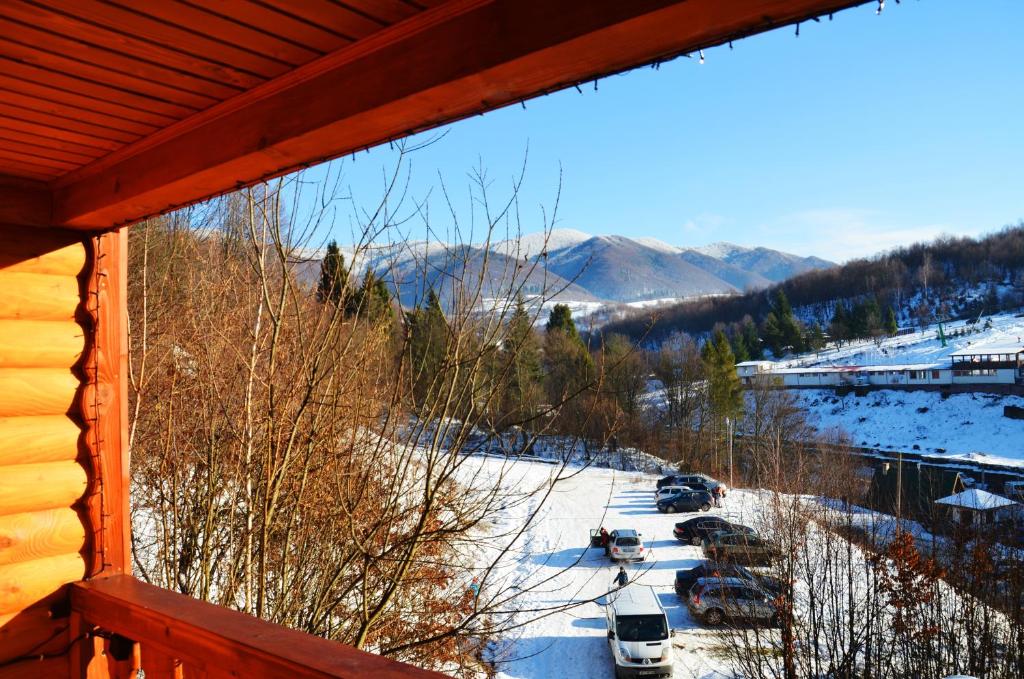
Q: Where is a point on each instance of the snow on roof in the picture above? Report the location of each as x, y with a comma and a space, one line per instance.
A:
860, 368
753, 363
972, 498
997, 347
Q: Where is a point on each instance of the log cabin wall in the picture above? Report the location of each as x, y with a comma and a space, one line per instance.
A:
61, 353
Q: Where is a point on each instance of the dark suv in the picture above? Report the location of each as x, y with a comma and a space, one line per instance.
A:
695, 531
686, 501
739, 548
686, 578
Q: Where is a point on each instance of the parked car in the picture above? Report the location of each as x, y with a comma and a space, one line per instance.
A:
696, 530
625, 544
705, 482
687, 578
669, 491
638, 633
669, 480
686, 501
744, 548
717, 599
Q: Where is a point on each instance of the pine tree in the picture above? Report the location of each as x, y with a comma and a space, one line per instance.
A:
521, 353
772, 333
840, 326
724, 390
751, 340
428, 345
816, 337
561, 320
333, 283
890, 322
567, 361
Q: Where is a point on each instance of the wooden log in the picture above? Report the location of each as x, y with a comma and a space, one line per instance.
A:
24, 584
33, 535
45, 251
40, 344
160, 665
44, 438
37, 487
28, 631
37, 391
38, 296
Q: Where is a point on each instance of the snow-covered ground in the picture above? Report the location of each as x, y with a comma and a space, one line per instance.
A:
572, 643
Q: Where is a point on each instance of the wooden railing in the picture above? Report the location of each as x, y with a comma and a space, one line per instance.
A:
120, 625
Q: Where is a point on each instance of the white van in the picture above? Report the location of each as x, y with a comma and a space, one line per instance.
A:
638, 633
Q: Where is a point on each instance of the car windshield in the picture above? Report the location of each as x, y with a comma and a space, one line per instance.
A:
641, 627
627, 542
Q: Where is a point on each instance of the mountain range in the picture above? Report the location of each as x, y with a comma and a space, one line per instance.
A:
583, 268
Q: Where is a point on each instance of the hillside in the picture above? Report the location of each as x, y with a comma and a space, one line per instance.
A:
945, 279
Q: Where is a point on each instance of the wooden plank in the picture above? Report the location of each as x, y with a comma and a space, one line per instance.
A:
54, 46
40, 297
91, 88
65, 111
33, 535
22, 203
27, 170
40, 344
85, 70
30, 440
172, 25
9, 111
283, 26
27, 125
208, 636
105, 404
42, 486
337, 19
52, 668
23, 584
29, 629
37, 391
458, 59
75, 157
59, 166
158, 664
44, 92
128, 45
48, 251
44, 143
385, 11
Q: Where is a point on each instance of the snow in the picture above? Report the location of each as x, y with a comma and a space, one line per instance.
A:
659, 245
974, 498
966, 426
555, 552
529, 245
720, 250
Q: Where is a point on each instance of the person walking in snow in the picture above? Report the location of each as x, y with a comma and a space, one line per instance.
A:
716, 495
622, 579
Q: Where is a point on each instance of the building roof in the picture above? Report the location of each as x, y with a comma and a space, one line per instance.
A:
860, 368
994, 347
973, 498
745, 364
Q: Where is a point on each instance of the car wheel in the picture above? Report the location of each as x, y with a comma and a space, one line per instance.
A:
714, 617
705, 507
671, 509
696, 541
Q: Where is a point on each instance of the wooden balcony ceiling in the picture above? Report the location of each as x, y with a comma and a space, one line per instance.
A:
118, 109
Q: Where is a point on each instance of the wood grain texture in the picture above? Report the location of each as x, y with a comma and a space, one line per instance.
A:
23, 584
40, 344
51, 668
45, 438
37, 391
215, 638
33, 629
37, 487
460, 58
44, 251
23, 203
33, 535
38, 297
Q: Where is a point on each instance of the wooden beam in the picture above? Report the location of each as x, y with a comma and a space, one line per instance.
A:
457, 59
217, 640
24, 202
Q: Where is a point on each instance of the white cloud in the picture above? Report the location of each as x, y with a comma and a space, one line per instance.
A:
840, 234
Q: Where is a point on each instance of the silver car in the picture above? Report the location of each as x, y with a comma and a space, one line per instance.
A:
715, 600
625, 544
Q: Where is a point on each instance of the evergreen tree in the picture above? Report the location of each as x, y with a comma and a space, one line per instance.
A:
751, 340
891, 326
772, 333
816, 337
724, 390
520, 352
840, 326
371, 301
739, 347
567, 361
333, 282
561, 320
428, 345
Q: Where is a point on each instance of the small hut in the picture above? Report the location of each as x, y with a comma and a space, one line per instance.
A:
974, 507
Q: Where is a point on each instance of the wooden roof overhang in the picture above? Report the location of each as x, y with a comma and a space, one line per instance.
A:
112, 111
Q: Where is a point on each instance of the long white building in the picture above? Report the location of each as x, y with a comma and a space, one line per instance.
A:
991, 364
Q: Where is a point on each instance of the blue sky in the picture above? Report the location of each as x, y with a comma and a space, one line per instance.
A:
861, 134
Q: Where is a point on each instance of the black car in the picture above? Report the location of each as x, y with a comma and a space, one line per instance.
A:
687, 577
696, 530
686, 501
667, 481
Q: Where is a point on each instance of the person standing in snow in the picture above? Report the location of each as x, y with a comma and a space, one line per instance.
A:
622, 579
604, 540
716, 495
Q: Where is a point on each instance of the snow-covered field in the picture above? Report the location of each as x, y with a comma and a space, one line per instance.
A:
572, 643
